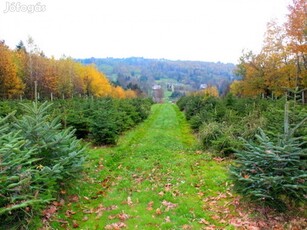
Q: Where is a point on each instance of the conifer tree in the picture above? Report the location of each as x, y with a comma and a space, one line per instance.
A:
272, 173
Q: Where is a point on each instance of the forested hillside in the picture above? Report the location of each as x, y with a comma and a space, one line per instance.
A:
186, 75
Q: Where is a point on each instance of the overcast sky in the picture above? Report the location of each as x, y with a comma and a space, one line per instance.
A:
205, 30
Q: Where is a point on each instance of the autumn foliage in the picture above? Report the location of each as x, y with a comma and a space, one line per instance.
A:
63, 78
282, 62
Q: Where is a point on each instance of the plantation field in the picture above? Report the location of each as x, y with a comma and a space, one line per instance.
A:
157, 174
154, 179
158, 178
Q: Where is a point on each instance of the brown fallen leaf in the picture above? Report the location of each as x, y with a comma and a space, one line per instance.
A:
215, 217
69, 213
111, 217
47, 213
168, 187
218, 159
88, 211
62, 202
186, 227
129, 201
75, 224
61, 221
168, 205
123, 216
211, 227
111, 208
99, 214
158, 211
115, 226
85, 218
73, 198
167, 219
149, 205
56, 203
161, 193
203, 221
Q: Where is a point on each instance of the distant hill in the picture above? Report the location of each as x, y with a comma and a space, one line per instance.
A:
183, 75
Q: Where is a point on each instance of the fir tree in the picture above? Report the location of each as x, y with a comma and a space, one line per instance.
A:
272, 172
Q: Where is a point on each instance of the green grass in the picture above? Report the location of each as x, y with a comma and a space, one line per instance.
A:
157, 162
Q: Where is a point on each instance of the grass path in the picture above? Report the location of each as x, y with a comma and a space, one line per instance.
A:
155, 178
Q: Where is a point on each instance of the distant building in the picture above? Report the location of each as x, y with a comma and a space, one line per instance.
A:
203, 86
157, 93
155, 87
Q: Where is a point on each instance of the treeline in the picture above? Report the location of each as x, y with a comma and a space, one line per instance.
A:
98, 120
24, 71
282, 62
146, 72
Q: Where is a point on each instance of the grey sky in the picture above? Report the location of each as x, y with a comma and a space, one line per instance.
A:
206, 30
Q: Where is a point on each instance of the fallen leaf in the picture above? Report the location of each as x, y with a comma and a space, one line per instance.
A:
115, 226
211, 227
168, 205
203, 221
75, 224
85, 218
123, 216
88, 211
167, 219
167, 187
47, 213
74, 198
100, 208
111, 217
69, 213
218, 159
158, 211
62, 202
99, 214
149, 205
112, 207
56, 203
129, 201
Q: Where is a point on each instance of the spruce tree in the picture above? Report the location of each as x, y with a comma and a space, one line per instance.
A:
272, 172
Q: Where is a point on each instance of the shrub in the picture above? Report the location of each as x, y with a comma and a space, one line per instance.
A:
103, 127
210, 132
219, 137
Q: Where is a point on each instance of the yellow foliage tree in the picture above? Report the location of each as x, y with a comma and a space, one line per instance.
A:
10, 84
282, 62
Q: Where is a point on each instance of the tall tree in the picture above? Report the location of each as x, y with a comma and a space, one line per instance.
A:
296, 28
10, 84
